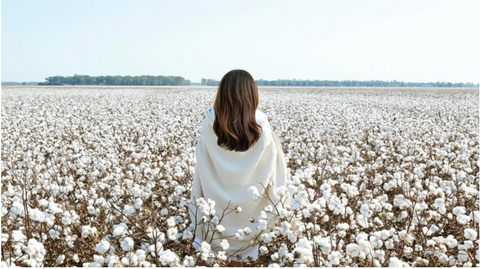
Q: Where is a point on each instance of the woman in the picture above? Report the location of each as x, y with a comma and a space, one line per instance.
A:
237, 149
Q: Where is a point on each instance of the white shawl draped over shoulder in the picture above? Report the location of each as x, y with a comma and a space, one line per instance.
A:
225, 177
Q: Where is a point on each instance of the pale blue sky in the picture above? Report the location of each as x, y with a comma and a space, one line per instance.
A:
409, 40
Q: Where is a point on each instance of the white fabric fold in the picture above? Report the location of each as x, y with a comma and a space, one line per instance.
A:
225, 177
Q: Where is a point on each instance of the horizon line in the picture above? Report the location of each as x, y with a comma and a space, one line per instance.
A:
394, 80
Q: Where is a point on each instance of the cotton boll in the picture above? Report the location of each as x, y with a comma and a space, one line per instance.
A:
222, 256
240, 234
171, 222
306, 213
285, 227
187, 234
35, 214
442, 258
169, 258
224, 244
299, 200
267, 238
4, 237
255, 193
323, 243
442, 210
179, 190
452, 261
205, 250
60, 259
395, 262
353, 250
164, 212
262, 225
119, 229
75, 258
407, 251
54, 234
188, 261
172, 233
283, 213
459, 210
158, 247
439, 202
470, 234
462, 256
365, 210
18, 236
263, 250
141, 255
127, 244
138, 203
379, 254
376, 242
179, 220
463, 219
378, 222
133, 258
385, 234
304, 248
145, 264
67, 218
88, 231
69, 241
362, 221
389, 244
99, 259
155, 234
125, 261
220, 228
102, 247
343, 226
336, 207
128, 210
467, 244
390, 215
334, 257
281, 191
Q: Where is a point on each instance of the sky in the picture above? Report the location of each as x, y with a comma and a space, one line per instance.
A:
405, 40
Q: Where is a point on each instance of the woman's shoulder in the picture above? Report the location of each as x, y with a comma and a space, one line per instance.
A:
260, 116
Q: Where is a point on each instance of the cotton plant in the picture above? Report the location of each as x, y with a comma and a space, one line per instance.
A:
103, 178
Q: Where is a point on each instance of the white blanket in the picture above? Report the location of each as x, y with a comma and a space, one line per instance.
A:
225, 177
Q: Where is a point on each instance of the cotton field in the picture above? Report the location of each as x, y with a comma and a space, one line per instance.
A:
102, 176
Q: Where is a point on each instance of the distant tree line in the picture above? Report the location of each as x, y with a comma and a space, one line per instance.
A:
116, 80
180, 81
346, 83
209, 82
19, 83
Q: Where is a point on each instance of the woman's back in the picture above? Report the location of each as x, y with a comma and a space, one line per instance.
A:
237, 166
226, 177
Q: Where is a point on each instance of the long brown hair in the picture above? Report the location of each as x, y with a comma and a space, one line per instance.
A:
235, 105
